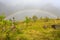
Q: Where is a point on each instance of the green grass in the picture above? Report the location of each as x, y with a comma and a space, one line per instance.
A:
29, 31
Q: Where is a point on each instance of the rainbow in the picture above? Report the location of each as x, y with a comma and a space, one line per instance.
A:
27, 10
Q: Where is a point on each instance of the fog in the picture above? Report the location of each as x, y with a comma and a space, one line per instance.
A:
10, 7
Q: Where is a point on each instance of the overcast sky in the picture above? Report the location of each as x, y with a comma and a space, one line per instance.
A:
27, 2
11, 6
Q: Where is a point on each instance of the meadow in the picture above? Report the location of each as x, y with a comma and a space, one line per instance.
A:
32, 28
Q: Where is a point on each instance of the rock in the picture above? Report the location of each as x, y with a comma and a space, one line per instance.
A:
55, 26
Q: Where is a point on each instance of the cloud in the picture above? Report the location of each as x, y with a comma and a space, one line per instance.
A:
11, 6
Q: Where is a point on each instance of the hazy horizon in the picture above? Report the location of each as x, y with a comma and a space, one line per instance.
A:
10, 7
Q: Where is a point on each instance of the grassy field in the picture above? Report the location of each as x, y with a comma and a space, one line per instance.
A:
30, 29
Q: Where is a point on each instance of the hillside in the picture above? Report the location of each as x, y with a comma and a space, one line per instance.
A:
30, 29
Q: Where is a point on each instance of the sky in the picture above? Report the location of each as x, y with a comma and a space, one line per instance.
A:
11, 6
27, 2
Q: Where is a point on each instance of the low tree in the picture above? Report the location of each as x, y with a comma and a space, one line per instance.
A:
41, 17
46, 19
34, 18
2, 22
2, 17
13, 24
27, 20
58, 18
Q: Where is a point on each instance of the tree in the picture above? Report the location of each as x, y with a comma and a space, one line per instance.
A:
2, 17
13, 24
58, 18
27, 20
34, 18
46, 19
41, 17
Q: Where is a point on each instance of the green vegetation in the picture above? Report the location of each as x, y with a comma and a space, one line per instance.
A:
30, 29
